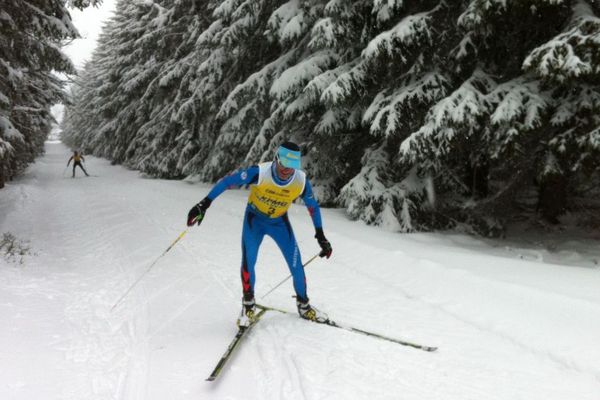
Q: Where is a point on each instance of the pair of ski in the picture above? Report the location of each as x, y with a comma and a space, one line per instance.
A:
242, 331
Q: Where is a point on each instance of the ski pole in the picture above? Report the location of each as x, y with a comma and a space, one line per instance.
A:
289, 276
149, 268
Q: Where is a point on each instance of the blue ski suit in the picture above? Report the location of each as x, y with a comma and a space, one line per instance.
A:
266, 214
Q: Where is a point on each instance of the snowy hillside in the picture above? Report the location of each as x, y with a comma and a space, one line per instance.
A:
510, 323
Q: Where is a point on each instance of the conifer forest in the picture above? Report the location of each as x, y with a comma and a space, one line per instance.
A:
411, 114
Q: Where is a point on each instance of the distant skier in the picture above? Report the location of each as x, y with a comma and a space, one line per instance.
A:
273, 188
77, 158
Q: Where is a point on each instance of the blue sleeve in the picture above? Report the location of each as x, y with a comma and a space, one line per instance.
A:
237, 179
311, 204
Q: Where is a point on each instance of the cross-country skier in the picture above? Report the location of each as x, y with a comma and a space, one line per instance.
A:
274, 186
77, 158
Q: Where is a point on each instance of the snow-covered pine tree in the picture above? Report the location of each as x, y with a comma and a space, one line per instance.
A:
236, 71
167, 128
258, 96
90, 118
337, 140
274, 97
86, 113
400, 74
127, 104
413, 113
327, 46
481, 141
568, 66
109, 112
319, 40
32, 34
493, 134
164, 142
175, 86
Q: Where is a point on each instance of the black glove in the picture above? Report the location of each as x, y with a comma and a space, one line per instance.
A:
326, 249
196, 214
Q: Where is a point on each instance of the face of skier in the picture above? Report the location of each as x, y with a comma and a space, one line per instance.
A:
283, 173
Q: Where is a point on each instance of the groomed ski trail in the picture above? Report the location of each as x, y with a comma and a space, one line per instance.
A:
506, 328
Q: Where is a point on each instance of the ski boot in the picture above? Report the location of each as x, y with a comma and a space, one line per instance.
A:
248, 314
310, 313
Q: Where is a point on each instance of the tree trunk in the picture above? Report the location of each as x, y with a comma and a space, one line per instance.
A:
476, 178
552, 197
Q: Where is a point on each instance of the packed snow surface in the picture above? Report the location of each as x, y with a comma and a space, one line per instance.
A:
511, 322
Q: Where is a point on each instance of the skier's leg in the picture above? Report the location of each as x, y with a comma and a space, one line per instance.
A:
83, 169
252, 236
74, 165
285, 239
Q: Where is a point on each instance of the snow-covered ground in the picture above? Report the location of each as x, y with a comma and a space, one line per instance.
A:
511, 322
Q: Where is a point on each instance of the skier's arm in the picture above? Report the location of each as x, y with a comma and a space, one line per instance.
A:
69, 162
315, 213
82, 159
237, 179
312, 205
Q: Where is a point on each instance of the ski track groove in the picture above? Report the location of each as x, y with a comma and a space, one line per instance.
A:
96, 342
565, 363
176, 314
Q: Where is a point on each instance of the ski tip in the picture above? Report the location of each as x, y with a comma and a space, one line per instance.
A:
211, 378
430, 349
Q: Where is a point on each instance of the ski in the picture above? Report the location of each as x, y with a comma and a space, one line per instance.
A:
232, 346
334, 324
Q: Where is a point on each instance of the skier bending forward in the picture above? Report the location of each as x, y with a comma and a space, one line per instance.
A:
274, 186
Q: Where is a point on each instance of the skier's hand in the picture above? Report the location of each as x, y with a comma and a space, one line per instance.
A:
326, 249
196, 214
